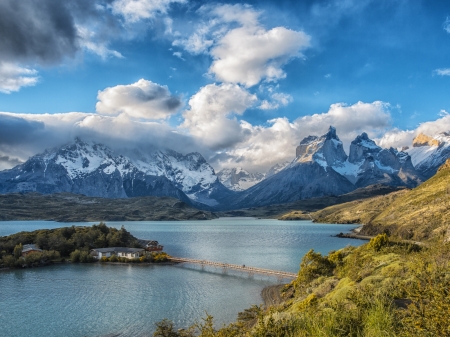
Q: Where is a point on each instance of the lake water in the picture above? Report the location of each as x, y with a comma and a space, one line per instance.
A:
126, 300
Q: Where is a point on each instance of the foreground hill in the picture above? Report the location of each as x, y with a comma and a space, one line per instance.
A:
66, 207
418, 214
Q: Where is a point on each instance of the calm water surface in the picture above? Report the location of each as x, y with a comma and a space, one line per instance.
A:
96, 300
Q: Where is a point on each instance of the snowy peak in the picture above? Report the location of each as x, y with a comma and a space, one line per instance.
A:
238, 179
277, 168
96, 170
326, 150
429, 153
361, 148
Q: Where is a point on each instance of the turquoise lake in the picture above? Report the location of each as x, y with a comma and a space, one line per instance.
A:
127, 300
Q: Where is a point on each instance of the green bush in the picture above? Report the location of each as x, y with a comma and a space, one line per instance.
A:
378, 242
75, 256
113, 258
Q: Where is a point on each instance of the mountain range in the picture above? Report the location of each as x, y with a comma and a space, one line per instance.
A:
321, 168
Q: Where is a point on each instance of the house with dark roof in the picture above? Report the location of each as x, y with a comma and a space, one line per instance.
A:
129, 253
31, 248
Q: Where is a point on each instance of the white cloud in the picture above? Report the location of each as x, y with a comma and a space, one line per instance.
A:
398, 138
136, 10
207, 119
89, 40
248, 55
443, 71
276, 143
24, 135
143, 99
243, 51
277, 100
14, 77
179, 55
446, 25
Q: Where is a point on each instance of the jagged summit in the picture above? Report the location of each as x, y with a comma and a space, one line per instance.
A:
326, 150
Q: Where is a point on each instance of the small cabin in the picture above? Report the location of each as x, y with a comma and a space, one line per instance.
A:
129, 253
31, 248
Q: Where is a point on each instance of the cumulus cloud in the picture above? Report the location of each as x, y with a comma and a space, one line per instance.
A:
13, 77
243, 51
399, 138
143, 99
136, 10
442, 72
248, 55
211, 116
276, 143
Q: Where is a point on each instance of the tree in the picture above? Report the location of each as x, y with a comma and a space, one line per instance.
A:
18, 251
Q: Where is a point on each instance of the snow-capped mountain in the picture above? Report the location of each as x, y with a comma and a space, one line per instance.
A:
237, 179
429, 153
95, 170
322, 168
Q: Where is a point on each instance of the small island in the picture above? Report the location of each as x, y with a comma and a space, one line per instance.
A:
97, 243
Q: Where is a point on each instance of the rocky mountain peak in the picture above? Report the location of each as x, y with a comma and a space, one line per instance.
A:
331, 134
326, 150
361, 148
424, 140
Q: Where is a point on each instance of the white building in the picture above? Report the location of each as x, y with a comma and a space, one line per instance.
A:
129, 253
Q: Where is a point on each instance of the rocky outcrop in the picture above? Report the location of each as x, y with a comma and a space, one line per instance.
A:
424, 140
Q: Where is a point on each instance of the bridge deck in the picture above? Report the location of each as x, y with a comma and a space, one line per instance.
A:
251, 270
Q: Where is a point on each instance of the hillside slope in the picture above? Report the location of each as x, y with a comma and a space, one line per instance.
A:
67, 207
419, 214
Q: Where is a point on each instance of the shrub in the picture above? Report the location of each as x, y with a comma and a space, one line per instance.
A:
113, 258
75, 256
378, 242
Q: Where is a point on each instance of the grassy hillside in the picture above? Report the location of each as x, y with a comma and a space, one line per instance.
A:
66, 207
418, 214
302, 208
382, 288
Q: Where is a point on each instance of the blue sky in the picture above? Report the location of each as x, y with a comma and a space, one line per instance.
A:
241, 83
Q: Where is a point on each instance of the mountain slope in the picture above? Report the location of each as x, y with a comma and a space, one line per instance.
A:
417, 214
66, 207
322, 168
95, 170
237, 179
429, 153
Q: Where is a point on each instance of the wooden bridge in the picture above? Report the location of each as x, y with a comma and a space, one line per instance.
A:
226, 266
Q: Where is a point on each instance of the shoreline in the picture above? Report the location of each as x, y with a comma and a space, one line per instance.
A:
271, 295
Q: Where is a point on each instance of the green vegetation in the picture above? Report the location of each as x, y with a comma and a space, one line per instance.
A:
383, 288
67, 242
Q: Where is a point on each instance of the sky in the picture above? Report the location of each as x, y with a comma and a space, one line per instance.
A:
240, 82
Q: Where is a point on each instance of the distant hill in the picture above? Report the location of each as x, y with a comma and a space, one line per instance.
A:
419, 214
67, 207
